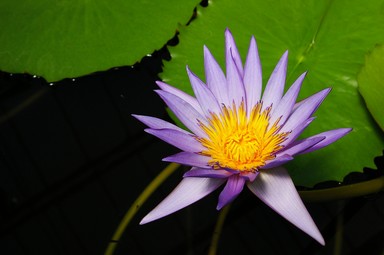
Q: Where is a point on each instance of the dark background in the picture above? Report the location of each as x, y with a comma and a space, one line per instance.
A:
73, 160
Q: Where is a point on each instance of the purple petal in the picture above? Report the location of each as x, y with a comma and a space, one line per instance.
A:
205, 97
275, 87
276, 189
330, 137
297, 131
299, 146
231, 52
189, 159
305, 110
187, 192
252, 76
231, 190
187, 114
181, 94
278, 161
249, 176
181, 140
235, 84
156, 123
284, 108
215, 78
210, 173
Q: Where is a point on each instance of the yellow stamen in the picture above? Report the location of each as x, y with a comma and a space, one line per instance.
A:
240, 142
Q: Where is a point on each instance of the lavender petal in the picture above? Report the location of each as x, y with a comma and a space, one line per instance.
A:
187, 114
181, 94
187, 192
330, 137
284, 108
156, 123
205, 97
252, 76
189, 159
208, 173
232, 52
305, 110
275, 87
278, 161
300, 146
236, 92
276, 189
296, 132
181, 140
231, 190
215, 78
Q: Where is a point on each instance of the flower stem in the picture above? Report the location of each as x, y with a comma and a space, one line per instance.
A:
147, 192
217, 231
339, 231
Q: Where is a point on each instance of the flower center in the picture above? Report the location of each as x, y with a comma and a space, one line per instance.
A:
240, 142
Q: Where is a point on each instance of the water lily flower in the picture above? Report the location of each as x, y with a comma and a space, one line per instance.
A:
239, 136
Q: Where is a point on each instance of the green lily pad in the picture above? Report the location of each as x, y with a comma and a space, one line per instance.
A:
63, 39
327, 38
371, 84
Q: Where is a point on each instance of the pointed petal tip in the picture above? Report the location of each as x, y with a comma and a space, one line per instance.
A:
207, 53
321, 96
152, 217
162, 94
142, 118
315, 234
219, 207
158, 83
331, 136
190, 73
222, 203
321, 240
144, 221
326, 91
149, 218
167, 159
284, 57
301, 78
163, 86
303, 75
228, 36
252, 44
189, 159
139, 117
342, 132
